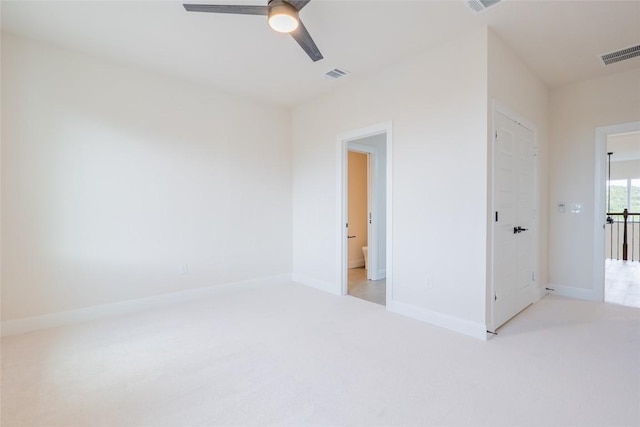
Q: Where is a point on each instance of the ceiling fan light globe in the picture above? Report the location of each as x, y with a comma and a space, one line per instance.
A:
283, 18
283, 23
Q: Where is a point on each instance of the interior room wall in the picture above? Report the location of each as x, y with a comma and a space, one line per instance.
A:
113, 178
439, 113
576, 111
512, 84
358, 207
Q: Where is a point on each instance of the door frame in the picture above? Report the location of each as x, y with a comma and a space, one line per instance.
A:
343, 141
600, 203
372, 204
499, 108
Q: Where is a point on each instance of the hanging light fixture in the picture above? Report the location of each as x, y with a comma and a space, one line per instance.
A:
609, 219
283, 17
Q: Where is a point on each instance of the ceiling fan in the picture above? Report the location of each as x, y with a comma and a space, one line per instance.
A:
282, 17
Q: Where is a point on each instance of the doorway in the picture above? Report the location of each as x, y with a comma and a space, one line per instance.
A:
365, 279
616, 279
514, 220
365, 214
622, 226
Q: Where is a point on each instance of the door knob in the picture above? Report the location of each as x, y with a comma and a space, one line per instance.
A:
519, 229
351, 237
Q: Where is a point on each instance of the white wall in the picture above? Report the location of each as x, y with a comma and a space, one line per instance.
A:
514, 85
576, 111
437, 102
112, 177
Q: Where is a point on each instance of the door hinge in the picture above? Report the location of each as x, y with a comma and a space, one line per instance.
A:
495, 297
369, 217
496, 216
346, 225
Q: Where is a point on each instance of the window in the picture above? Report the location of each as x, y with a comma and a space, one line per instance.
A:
623, 194
634, 195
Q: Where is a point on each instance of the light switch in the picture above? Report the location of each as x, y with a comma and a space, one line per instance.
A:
576, 208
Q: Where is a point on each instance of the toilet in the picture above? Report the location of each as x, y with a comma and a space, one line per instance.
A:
365, 251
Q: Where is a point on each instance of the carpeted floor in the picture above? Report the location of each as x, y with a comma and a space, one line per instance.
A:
291, 355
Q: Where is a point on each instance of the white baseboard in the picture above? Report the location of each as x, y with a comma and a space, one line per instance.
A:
28, 324
381, 275
466, 327
572, 292
331, 287
356, 263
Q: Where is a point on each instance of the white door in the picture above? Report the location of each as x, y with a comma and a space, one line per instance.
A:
513, 185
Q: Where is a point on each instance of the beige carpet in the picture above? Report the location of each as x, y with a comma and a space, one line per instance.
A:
290, 355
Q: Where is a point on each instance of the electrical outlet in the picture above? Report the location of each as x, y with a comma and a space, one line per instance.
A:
183, 269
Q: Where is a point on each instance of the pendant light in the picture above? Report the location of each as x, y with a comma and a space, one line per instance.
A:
609, 219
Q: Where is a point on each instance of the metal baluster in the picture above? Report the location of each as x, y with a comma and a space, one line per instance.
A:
625, 244
610, 224
617, 241
633, 236
631, 229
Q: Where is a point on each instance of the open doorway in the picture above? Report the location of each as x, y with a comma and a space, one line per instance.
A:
365, 279
622, 226
365, 215
616, 234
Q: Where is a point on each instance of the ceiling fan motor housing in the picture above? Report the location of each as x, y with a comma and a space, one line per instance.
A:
283, 17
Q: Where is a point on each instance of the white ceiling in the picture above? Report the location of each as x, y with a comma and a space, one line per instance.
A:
560, 40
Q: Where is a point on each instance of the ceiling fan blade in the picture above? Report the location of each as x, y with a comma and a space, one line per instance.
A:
298, 4
302, 36
227, 8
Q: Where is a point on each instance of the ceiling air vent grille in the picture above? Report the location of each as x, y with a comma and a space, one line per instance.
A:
479, 5
621, 55
336, 73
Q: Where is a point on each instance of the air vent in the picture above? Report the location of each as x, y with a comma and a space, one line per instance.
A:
335, 74
479, 5
621, 55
